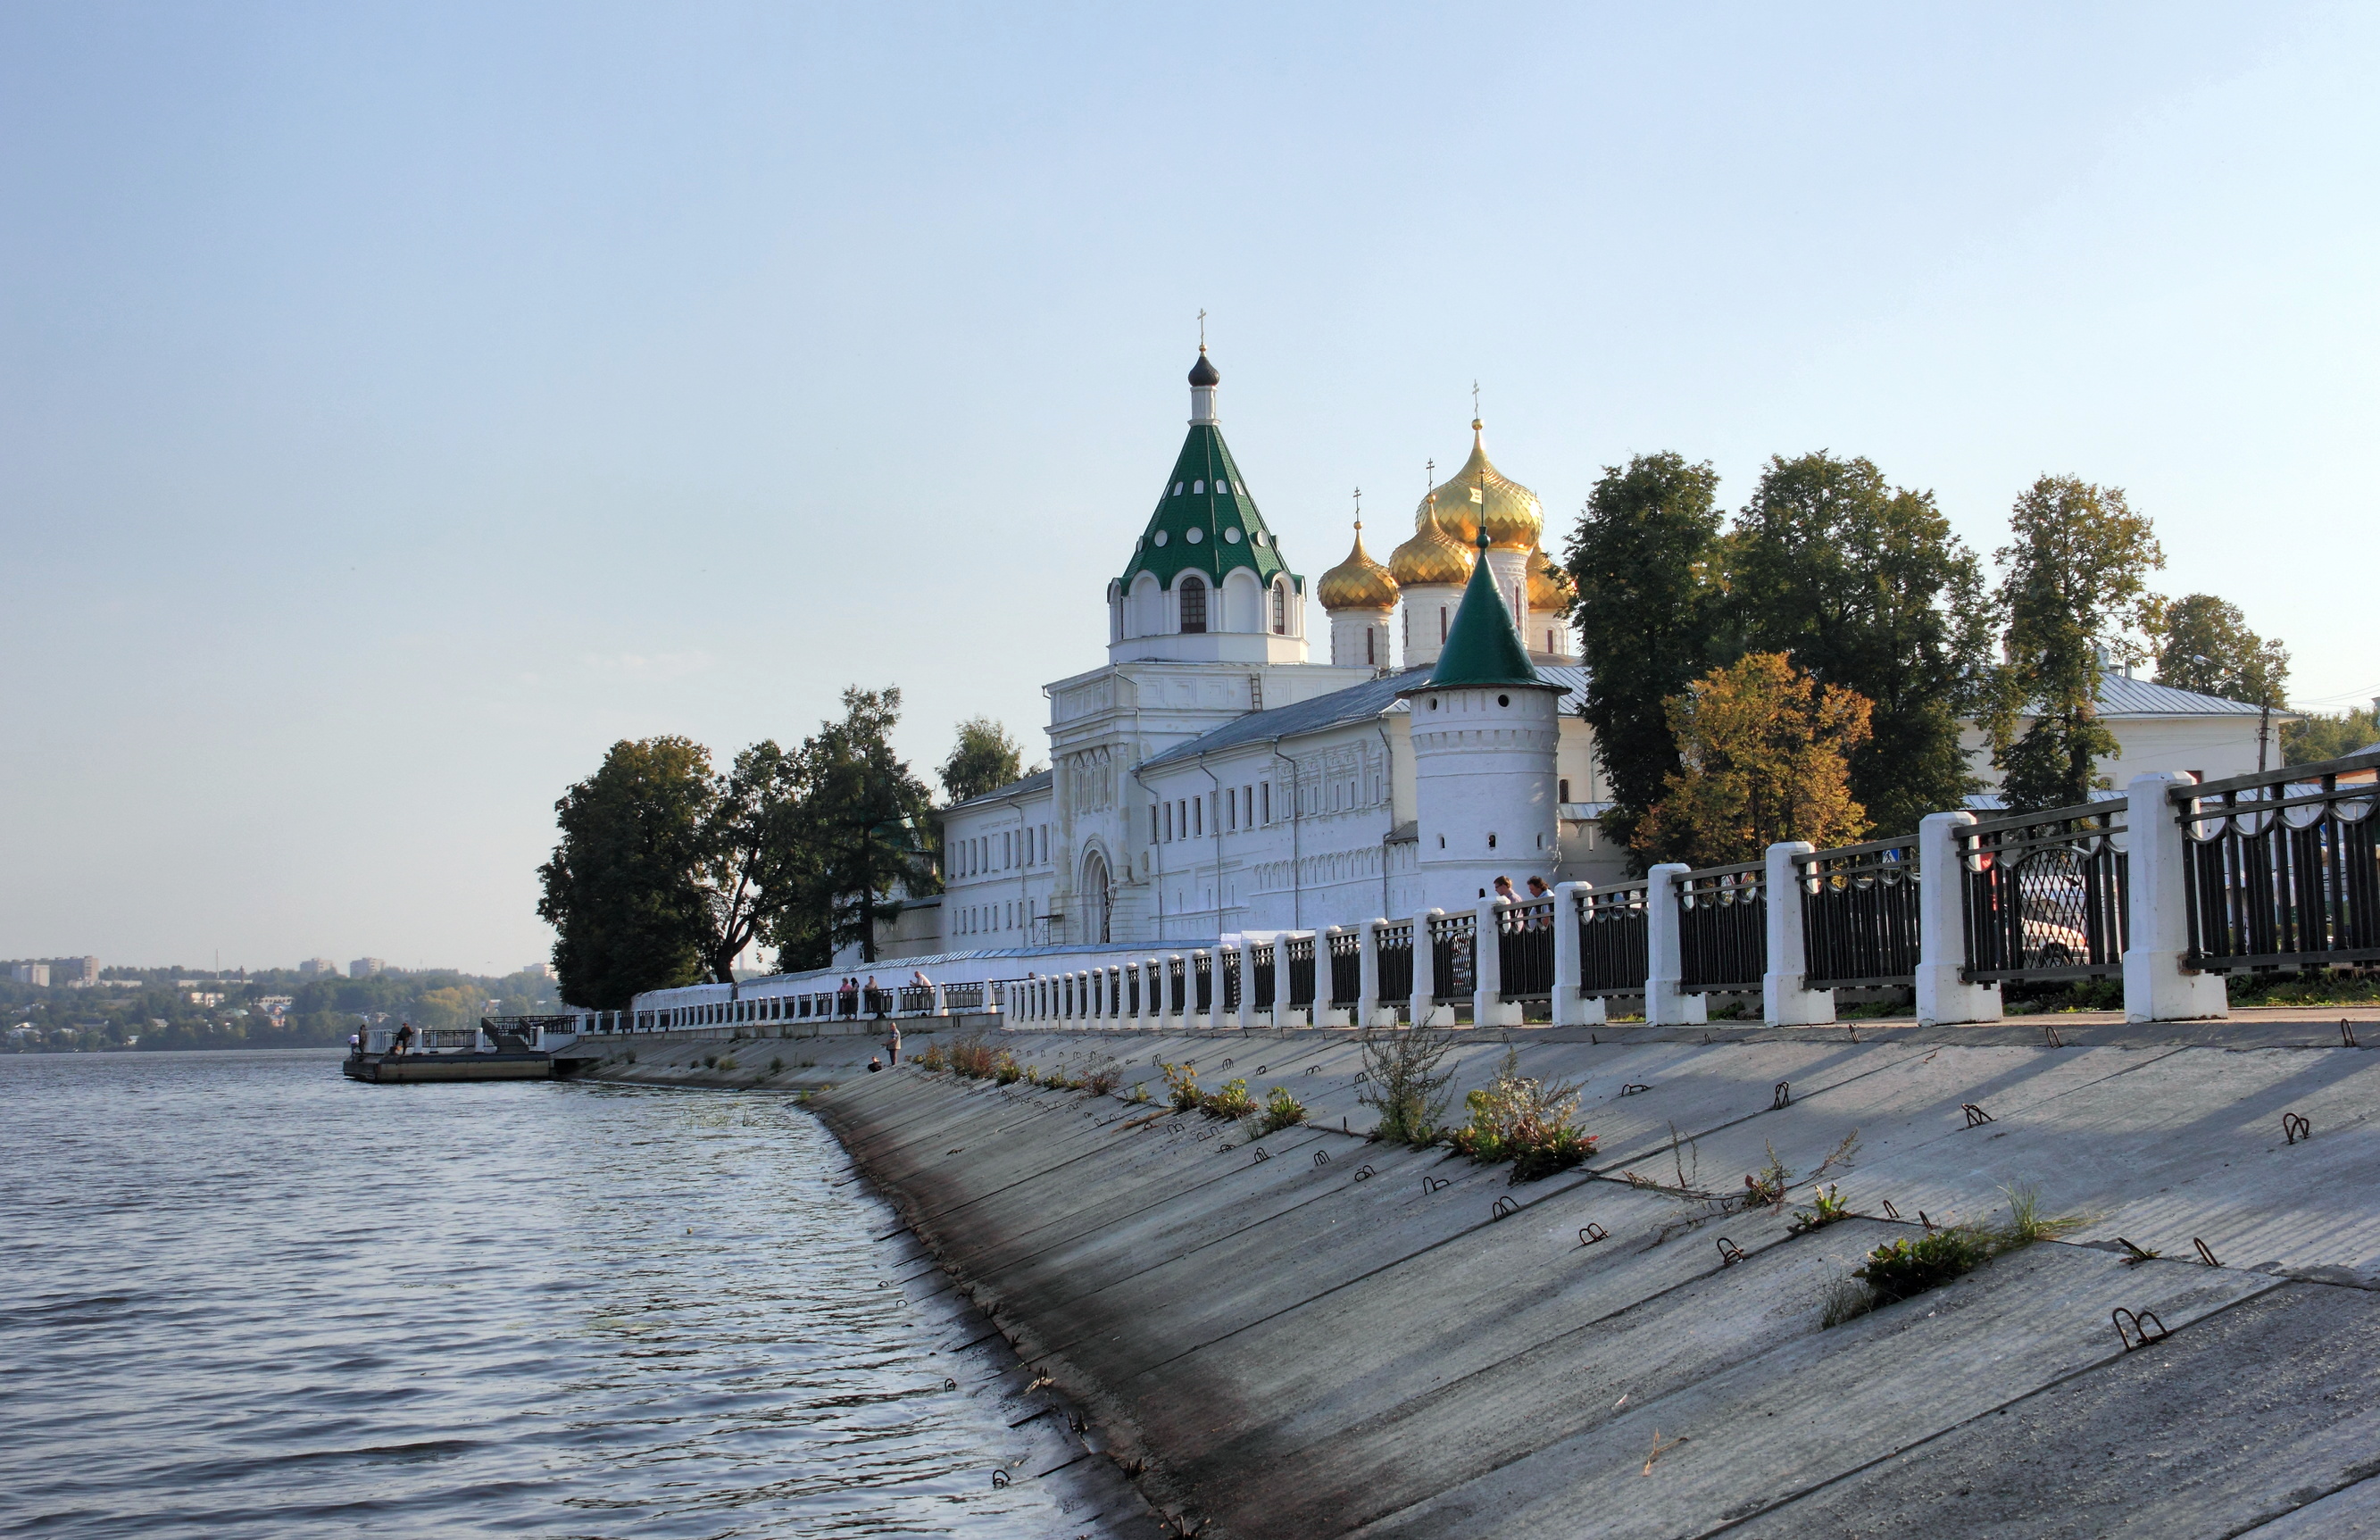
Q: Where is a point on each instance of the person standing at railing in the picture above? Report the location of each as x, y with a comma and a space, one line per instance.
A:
846, 998
875, 999
1504, 890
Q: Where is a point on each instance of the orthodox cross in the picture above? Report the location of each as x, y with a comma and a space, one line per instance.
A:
1474, 390
1359, 507
1202, 344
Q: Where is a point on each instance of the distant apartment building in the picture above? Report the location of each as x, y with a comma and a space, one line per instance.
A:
539, 970
37, 973
318, 967
75, 973
364, 967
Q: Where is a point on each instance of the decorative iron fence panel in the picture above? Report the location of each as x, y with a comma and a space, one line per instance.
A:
916, 1000
1176, 990
2042, 894
1395, 942
1723, 927
1524, 950
1859, 915
1202, 968
963, 997
1614, 939
1232, 980
1300, 970
1260, 976
1346, 967
2284, 868
1453, 957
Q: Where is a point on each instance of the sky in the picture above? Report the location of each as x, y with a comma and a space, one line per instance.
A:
401, 403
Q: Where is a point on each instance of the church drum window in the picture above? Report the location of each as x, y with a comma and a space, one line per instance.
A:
1281, 609
1193, 605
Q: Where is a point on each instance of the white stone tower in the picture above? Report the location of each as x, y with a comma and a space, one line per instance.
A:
1359, 596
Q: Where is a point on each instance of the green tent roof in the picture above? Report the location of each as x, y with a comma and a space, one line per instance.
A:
1206, 521
1482, 647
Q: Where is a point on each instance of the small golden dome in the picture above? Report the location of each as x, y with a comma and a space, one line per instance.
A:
1358, 583
1431, 556
1514, 517
1550, 588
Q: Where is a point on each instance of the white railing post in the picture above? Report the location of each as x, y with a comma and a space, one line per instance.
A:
1786, 998
1367, 974
1571, 1008
1667, 1004
1327, 1003
2159, 985
1424, 1003
1944, 996
1488, 1008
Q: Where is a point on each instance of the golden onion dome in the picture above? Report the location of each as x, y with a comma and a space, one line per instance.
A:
1550, 588
1431, 556
1514, 517
1358, 583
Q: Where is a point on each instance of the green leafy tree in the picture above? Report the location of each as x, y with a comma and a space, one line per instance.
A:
862, 830
1868, 588
2317, 737
984, 760
1646, 560
622, 889
2203, 644
2074, 590
1766, 755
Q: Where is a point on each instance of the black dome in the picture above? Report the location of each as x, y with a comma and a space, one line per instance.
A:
1202, 372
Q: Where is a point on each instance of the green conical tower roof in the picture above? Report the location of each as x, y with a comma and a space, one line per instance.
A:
1483, 647
1206, 520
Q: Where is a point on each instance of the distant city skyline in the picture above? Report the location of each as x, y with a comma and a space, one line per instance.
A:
402, 407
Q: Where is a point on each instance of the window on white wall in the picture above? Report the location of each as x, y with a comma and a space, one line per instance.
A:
1265, 806
1198, 817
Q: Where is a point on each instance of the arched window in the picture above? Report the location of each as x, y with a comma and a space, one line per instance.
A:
1281, 609
1194, 604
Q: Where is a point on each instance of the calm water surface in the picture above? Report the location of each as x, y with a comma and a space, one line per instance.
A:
246, 1297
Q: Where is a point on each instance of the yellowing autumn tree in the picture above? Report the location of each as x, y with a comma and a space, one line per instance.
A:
1766, 755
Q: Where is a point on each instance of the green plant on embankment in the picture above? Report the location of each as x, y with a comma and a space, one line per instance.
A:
1910, 1266
1403, 1084
1232, 1101
724, 1063
1524, 1120
1280, 1110
1182, 1087
1826, 1209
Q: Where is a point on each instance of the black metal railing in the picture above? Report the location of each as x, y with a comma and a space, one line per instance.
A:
1394, 941
1202, 972
1614, 940
2042, 894
1524, 950
1453, 957
1300, 950
1177, 988
1346, 967
963, 997
1232, 978
1859, 915
2283, 868
916, 1000
1261, 976
1723, 927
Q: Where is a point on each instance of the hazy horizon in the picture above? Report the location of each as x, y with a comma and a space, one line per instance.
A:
404, 405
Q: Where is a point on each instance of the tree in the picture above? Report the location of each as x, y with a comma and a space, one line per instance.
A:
861, 829
1869, 590
2315, 738
753, 860
1765, 756
984, 760
2204, 645
620, 890
2074, 590
1644, 561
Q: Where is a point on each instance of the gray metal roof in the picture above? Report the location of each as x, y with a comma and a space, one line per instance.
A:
1364, 702
2120, 696
1038, 782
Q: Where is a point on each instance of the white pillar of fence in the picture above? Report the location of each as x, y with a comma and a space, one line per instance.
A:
1944, 996
1571, 1008
1786, 998
1425, 980
1144, 1018
1327, 1008
1666, 1004
1168, 1019
2159, 985
1367, 974
1487, 1006
1231, 959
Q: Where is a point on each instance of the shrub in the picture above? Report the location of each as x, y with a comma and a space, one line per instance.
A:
1910, 1266
776, 1065
1280, 1110
1004, 1071
1405, 1084
933, 1058
1182, 1087
723, 1062
1231, 1101
1102, 1077
1523, 1120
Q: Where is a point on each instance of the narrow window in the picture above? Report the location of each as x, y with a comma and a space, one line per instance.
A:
1193, 605
1561, 791
1368, 634
1281, 609
1550, 641
1441, 626
1266, 806
1169, 821
1152, 824
1198, 815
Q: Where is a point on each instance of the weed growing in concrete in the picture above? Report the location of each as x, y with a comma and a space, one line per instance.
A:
1523, 1120
1913, 1264
1405, 1084
1182, 1087
1280, 1110
776, 1065
632, 1056
1232, 1101
723, 1062
1766, 1187
2314, 987
1004, 1070
932, 1058
1826, 1207
1102, 1077
1139, 1097
1847, 1299
971, 1059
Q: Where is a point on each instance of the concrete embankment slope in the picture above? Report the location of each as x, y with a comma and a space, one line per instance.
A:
1317, 1336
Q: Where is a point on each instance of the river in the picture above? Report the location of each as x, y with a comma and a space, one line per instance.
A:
246, 1297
